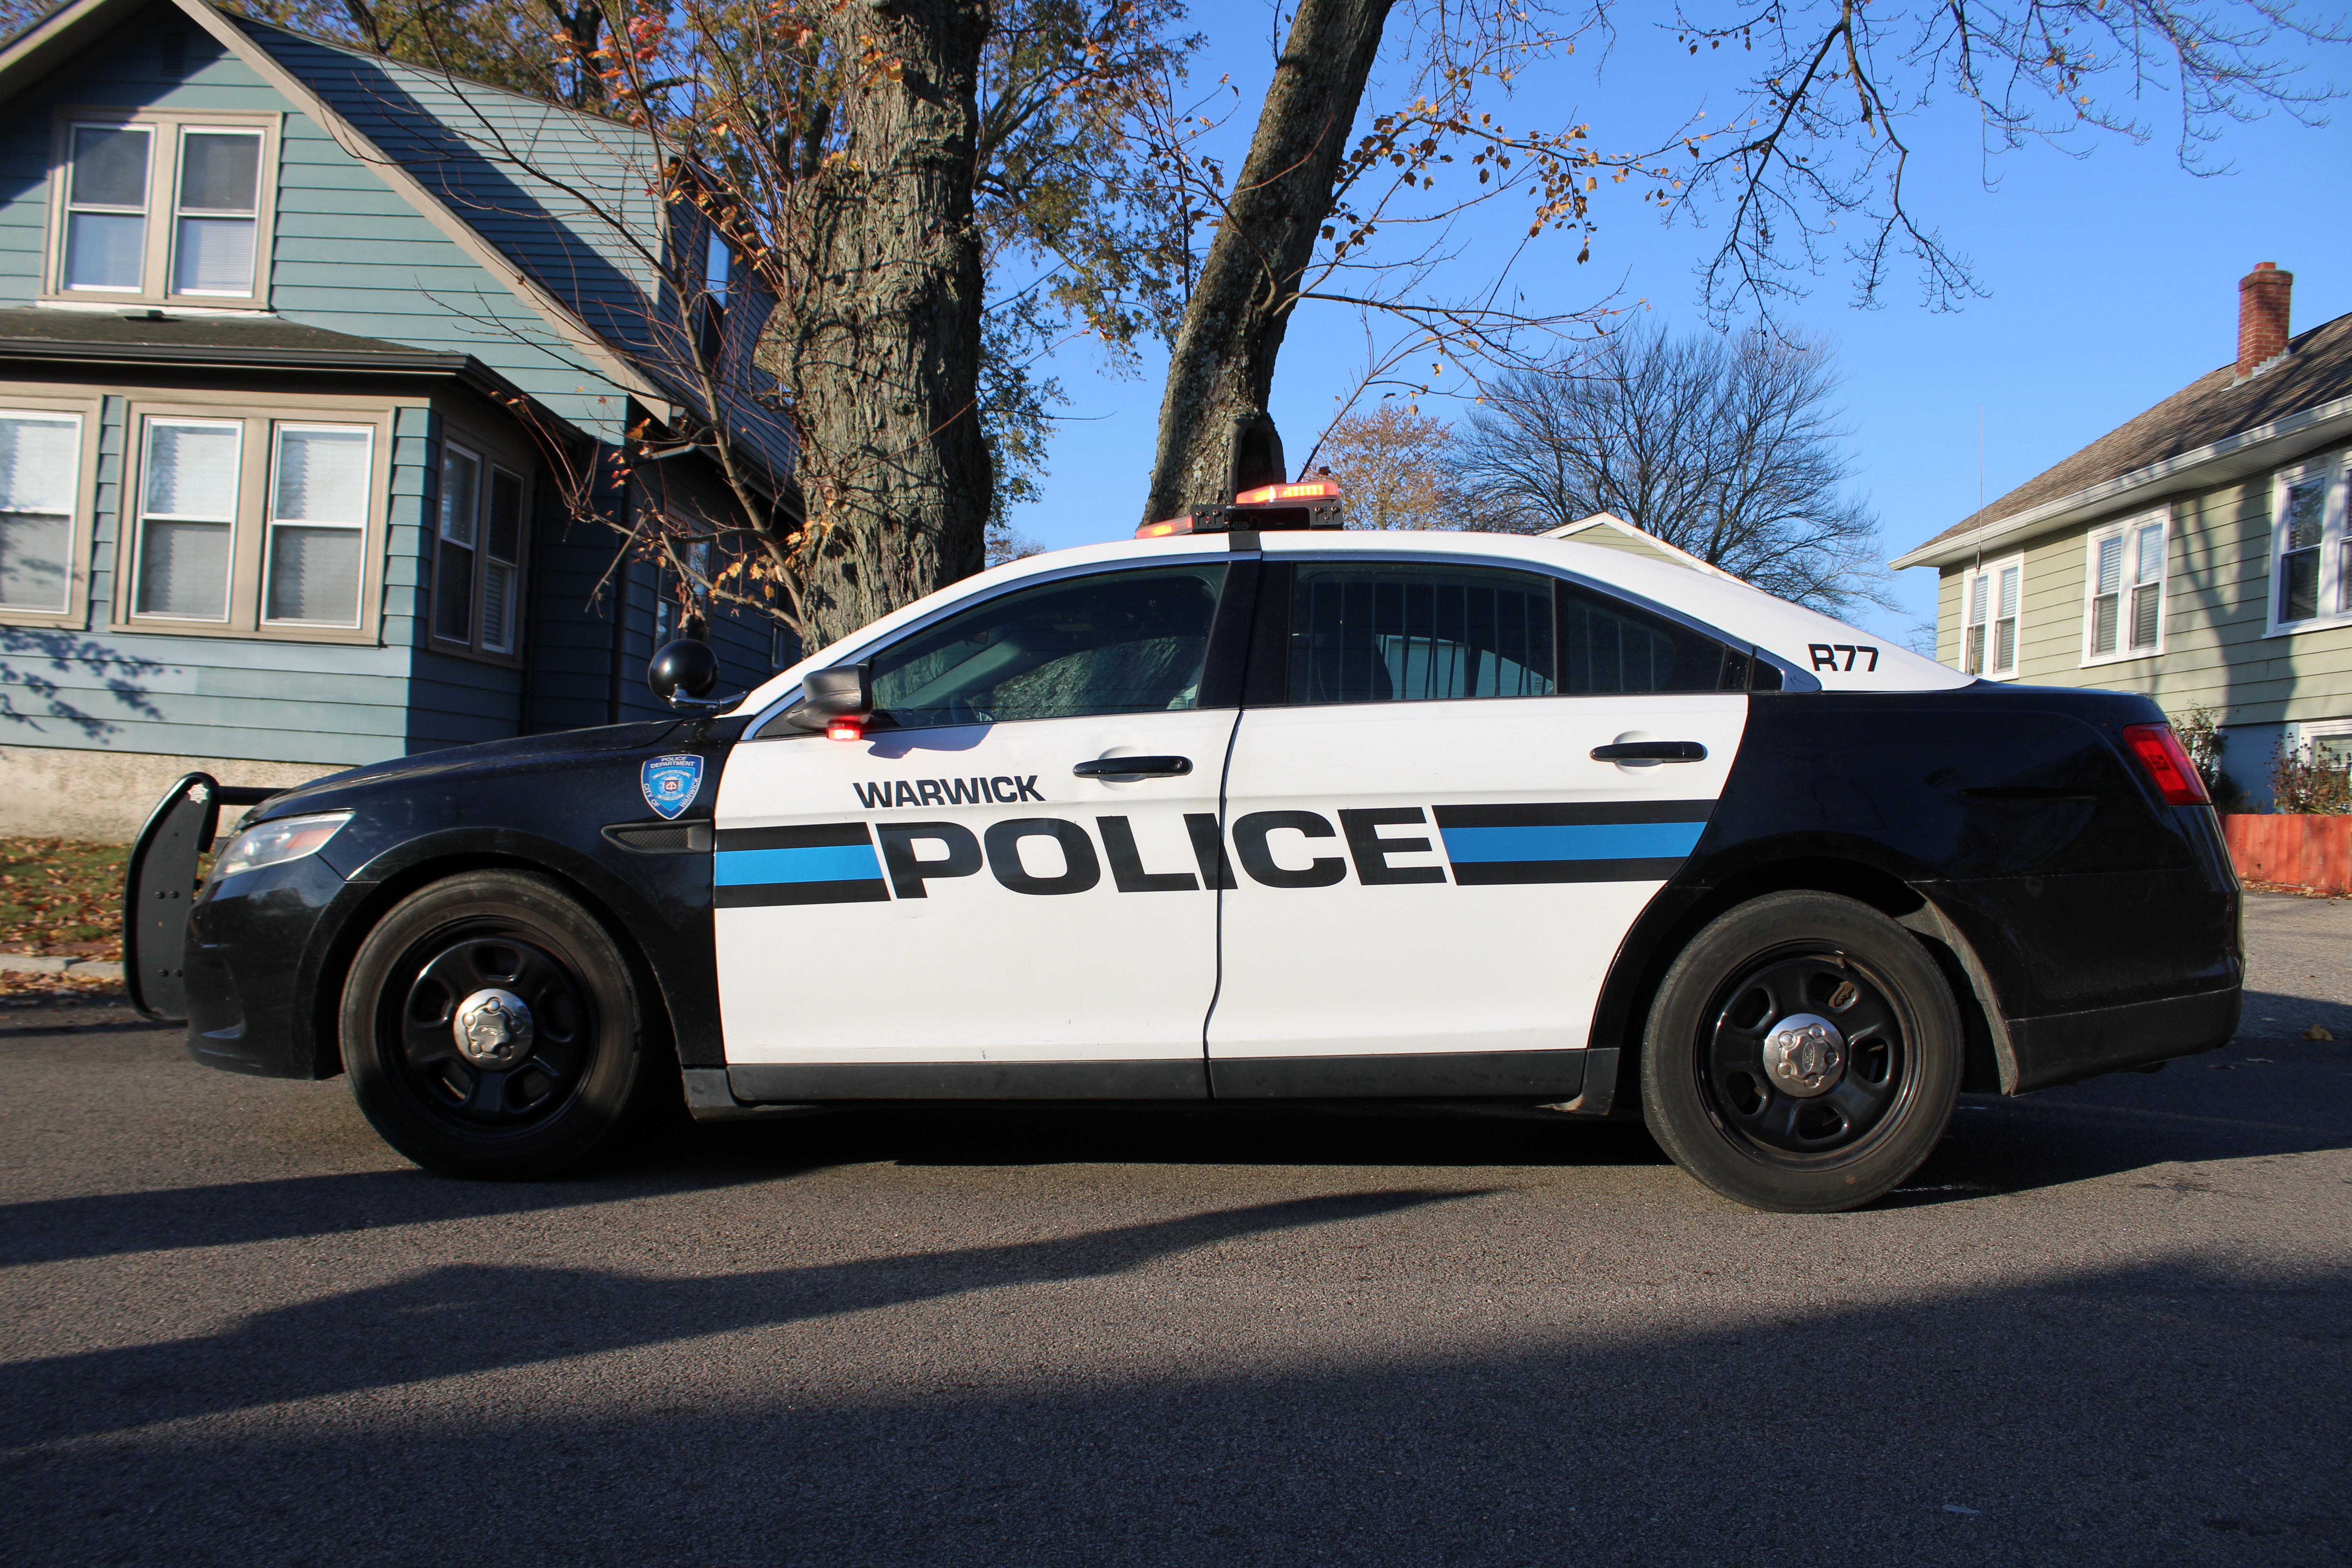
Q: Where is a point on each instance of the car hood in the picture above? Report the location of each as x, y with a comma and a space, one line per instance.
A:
522, 754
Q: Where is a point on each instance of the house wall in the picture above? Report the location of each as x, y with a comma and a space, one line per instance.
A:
350, 255
2216, 652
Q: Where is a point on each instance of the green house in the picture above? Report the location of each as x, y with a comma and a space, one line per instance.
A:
2200, 553
306, 359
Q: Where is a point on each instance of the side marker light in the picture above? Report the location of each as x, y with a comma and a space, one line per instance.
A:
843, 729
2159, 751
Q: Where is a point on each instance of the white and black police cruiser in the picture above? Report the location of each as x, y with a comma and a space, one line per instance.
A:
1248, 809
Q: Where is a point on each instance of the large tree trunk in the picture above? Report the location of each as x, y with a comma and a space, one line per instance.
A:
877, 331
1223, 365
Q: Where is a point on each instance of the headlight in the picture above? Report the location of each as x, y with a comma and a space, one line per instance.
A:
275, 843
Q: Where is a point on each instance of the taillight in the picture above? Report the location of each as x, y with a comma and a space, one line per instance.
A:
2158, 750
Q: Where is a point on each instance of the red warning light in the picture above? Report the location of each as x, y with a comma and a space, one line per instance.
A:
843, 729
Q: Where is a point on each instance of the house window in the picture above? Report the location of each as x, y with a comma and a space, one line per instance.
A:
478, 570
162, 207
317, 524
1989, 597
678, 603
241, 522
2312, 577
187, 519
2125, 584
40, 481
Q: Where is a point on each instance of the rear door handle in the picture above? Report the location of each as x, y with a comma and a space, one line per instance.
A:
1134, 768
1651, 751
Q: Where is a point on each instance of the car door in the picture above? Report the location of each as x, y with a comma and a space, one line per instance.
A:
998, 890
1436, 853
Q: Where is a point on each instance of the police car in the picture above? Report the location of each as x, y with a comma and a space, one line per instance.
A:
1249, 808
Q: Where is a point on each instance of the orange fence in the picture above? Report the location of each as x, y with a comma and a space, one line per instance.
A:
2298, 851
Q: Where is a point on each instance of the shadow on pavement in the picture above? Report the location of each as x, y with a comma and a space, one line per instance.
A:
450, 1321
2187, 1411
2227, 1105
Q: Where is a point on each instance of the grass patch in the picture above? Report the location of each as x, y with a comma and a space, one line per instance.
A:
61, 896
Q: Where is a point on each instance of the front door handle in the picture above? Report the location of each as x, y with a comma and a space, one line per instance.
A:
1134, 768
1651, 751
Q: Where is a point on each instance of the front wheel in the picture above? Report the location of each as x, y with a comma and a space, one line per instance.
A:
491, 1028
1803, 1055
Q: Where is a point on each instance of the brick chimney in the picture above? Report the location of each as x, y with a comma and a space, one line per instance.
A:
2262, 296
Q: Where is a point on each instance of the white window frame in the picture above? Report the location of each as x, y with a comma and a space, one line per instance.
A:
2335, 591
135, 511
76, 614
490, 458
2125, 534
167, 135
1990, 574
2300, 737
271, 522
256, 497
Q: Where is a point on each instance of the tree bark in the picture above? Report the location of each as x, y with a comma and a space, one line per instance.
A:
877, 330
1213, 412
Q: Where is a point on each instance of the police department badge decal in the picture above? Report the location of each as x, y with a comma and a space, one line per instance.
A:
671, 783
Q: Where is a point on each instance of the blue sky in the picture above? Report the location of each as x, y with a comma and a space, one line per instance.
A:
2111, 282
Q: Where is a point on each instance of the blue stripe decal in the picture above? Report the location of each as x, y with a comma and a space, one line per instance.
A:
821, 863
1590, 841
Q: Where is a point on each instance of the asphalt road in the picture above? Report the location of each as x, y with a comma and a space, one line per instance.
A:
2107, 1324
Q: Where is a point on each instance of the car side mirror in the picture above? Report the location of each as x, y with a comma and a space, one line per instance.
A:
685, 668
845, 691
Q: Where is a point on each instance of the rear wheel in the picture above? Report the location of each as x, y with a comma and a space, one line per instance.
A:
1803, 1055
491, 1028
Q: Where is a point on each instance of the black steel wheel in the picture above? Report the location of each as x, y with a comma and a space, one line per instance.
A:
491, 1028
1803, 1055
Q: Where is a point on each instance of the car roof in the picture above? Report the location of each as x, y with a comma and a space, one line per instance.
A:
1806, 641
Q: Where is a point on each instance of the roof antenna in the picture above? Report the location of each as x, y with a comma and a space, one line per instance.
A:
1980, 456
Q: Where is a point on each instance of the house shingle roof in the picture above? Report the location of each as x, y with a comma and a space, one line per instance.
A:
2315, 368
31, 333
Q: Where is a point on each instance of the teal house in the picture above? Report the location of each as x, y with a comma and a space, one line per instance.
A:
307, 360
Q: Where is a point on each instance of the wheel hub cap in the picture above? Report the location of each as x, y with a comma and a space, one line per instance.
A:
1804, 1055
493, 1028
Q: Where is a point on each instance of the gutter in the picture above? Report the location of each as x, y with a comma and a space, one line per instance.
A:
2227, 458
460, 367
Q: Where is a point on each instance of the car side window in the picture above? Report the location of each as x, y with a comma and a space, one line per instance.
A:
1393, 632
1608, 646
1120, 642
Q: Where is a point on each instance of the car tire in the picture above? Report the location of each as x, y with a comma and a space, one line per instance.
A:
1802, 1055
553, 1059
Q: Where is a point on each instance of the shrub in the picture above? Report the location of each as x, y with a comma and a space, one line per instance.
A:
2301, 781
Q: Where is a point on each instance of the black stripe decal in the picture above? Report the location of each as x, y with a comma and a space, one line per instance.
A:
810, 836
766, 895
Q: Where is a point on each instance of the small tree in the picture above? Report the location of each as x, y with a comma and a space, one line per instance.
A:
1392, 466
1724, 447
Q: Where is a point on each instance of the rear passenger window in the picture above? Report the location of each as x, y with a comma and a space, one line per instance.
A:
1607, 647
1399, 633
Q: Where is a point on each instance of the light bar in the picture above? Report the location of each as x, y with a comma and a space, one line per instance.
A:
1313, 503
1268, 495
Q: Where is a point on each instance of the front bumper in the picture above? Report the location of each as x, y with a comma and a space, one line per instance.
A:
253, 959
